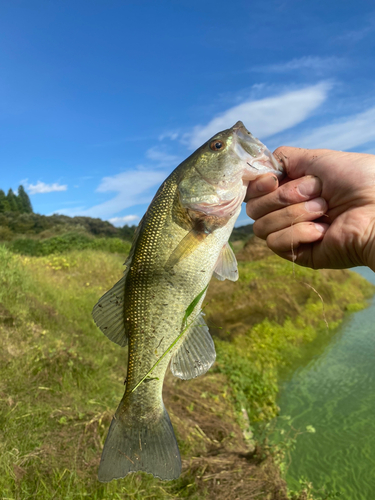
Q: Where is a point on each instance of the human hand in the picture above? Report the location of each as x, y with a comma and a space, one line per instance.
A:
323, 213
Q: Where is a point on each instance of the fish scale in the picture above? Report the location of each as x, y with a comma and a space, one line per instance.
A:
180, 243
149, 260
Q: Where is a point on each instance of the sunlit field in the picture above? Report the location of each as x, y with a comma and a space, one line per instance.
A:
61, 379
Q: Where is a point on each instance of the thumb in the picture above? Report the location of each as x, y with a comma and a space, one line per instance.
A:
298, 161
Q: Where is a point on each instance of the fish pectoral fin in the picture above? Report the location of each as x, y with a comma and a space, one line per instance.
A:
226, 265
196, 354
108, 313
186, 247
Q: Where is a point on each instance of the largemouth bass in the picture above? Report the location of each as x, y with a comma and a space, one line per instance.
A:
179, 244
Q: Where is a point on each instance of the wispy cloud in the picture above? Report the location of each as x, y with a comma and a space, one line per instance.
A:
134, 187
354, 36
171, 134
161, 156
121, 221
345, 134
265, 117
307, 62
131, 188
42, 187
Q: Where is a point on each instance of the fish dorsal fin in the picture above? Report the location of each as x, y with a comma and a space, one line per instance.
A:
108, 313
226, 265
196, 354
186, 247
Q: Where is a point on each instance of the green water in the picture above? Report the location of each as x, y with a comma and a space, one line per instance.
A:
335, 393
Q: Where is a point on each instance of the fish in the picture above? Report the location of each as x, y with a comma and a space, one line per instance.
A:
181, 241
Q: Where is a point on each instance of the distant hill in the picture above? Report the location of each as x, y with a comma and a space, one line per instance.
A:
14, 225
242, 233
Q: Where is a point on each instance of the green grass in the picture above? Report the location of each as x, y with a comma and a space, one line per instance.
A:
61, 379
67, 242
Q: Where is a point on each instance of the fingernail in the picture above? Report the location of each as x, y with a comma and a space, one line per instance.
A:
309, 186
266, 184
317, 205
322, 228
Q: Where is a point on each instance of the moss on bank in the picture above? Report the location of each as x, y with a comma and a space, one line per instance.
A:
61, 380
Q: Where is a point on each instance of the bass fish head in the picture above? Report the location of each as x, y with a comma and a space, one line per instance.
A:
216, 176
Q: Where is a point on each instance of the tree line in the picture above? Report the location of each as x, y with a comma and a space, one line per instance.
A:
19, 203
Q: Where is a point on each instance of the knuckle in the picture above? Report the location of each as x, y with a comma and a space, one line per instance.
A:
271, 242
250, 210
289, 213
259, 230
283, 195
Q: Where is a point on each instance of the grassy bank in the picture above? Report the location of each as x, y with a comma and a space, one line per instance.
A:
61, 379
267, 316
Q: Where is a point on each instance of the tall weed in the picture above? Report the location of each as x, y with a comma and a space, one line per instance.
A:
12, 280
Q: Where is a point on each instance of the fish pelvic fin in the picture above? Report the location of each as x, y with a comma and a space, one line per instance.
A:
136, 444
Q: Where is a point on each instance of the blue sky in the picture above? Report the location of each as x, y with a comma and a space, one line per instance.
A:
100, 100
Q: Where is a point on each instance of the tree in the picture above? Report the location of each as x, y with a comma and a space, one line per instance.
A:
24, 201
13, 201
4, 204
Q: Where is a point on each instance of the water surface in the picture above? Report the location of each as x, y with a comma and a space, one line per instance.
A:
335, 393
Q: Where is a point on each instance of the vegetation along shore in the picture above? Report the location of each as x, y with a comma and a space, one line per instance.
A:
60, 378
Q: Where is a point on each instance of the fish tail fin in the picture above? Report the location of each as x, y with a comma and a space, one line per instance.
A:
138, 445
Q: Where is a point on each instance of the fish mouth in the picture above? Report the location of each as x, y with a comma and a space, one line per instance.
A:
257, 158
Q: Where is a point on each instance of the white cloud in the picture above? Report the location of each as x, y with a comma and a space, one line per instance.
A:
121, 221
41, 187
133, 187
307, 62
162, 157
356, 35
172, 135
346, 134
265, 117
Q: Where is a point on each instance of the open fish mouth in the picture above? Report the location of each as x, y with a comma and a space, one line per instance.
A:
256, 156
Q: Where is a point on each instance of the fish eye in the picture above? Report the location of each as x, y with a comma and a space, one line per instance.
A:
217, 145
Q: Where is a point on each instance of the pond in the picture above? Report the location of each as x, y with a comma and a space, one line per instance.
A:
334, 392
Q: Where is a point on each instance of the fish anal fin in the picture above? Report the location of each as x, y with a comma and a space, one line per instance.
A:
226, 265
196, 354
